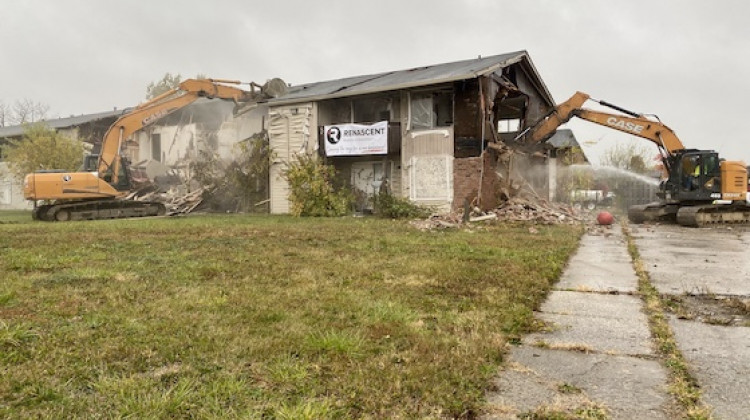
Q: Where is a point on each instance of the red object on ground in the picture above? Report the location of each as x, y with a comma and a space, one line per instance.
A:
605, 218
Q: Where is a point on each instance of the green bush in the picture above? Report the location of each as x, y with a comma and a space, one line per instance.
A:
41, 147
312, 189
389, 206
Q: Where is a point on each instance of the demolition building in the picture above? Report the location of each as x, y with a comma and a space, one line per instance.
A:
441, 135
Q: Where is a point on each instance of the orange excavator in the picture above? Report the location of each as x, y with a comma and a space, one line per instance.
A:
99, 189
700, 189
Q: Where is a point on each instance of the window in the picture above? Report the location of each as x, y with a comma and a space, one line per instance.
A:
341, 111
431, 109
156, 147
372, 110
508, 126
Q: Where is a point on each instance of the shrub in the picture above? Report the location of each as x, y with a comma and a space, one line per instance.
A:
312, 189
389, 206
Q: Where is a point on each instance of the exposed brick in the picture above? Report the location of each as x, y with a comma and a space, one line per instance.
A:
466, 175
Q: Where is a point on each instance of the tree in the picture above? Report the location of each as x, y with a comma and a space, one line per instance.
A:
628, 156
22, 111
42, 148
5, 114
167, 83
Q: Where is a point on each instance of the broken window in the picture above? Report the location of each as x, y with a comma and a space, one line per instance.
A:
431, 109
156, 147
508, 126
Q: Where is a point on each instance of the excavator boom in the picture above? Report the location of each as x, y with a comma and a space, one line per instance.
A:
632, 123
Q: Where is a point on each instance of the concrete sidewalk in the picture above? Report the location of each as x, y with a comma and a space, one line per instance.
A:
598, 352
713, 264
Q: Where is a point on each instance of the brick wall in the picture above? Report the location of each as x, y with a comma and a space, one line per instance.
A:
466, 175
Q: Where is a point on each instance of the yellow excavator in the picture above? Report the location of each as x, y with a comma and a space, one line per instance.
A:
99, 189
700, 188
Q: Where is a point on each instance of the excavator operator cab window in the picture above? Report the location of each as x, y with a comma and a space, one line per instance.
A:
691, 170
711, 165
90, 163
123, 175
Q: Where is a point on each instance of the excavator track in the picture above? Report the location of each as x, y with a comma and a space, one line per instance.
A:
708, 214
698, 215
653, 212
98, 209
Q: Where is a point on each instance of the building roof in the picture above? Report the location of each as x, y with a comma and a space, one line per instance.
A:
59, 123
410, 78
563, 138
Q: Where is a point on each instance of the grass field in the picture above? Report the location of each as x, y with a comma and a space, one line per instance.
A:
15, 216
263, 317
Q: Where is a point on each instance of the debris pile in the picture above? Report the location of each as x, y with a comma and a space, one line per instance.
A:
176, 199
539, 211
516, 209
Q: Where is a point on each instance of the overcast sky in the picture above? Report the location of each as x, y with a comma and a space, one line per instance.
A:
687, 61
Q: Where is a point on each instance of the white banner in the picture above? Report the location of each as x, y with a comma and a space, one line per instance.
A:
356, 139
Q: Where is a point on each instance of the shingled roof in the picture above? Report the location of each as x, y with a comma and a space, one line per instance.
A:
410, 78
60, 123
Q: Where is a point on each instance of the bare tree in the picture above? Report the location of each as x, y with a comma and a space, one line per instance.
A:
28, 111
630, 157
5, 114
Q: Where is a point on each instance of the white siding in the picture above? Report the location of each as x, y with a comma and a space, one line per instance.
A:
11, 191
292, 130
426, 153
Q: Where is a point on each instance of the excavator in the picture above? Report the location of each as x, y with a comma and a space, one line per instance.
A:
99, 189
700, 188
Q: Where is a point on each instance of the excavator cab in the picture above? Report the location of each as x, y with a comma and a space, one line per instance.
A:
695, 176
122, 181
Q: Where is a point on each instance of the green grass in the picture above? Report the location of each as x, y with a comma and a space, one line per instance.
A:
273, 317
15, 216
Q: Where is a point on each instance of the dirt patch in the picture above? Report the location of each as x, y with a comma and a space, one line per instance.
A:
711, 309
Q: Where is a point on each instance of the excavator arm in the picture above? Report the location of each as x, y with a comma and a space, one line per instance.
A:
188, 92
633, 123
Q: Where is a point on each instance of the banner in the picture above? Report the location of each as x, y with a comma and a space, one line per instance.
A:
356, 139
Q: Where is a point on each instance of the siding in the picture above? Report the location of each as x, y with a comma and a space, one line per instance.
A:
415, 147
11, 191
290, 131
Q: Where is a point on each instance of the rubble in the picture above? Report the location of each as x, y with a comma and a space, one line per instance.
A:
516, 209
176, 199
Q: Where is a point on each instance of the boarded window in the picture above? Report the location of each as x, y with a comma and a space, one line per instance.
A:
431, 110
